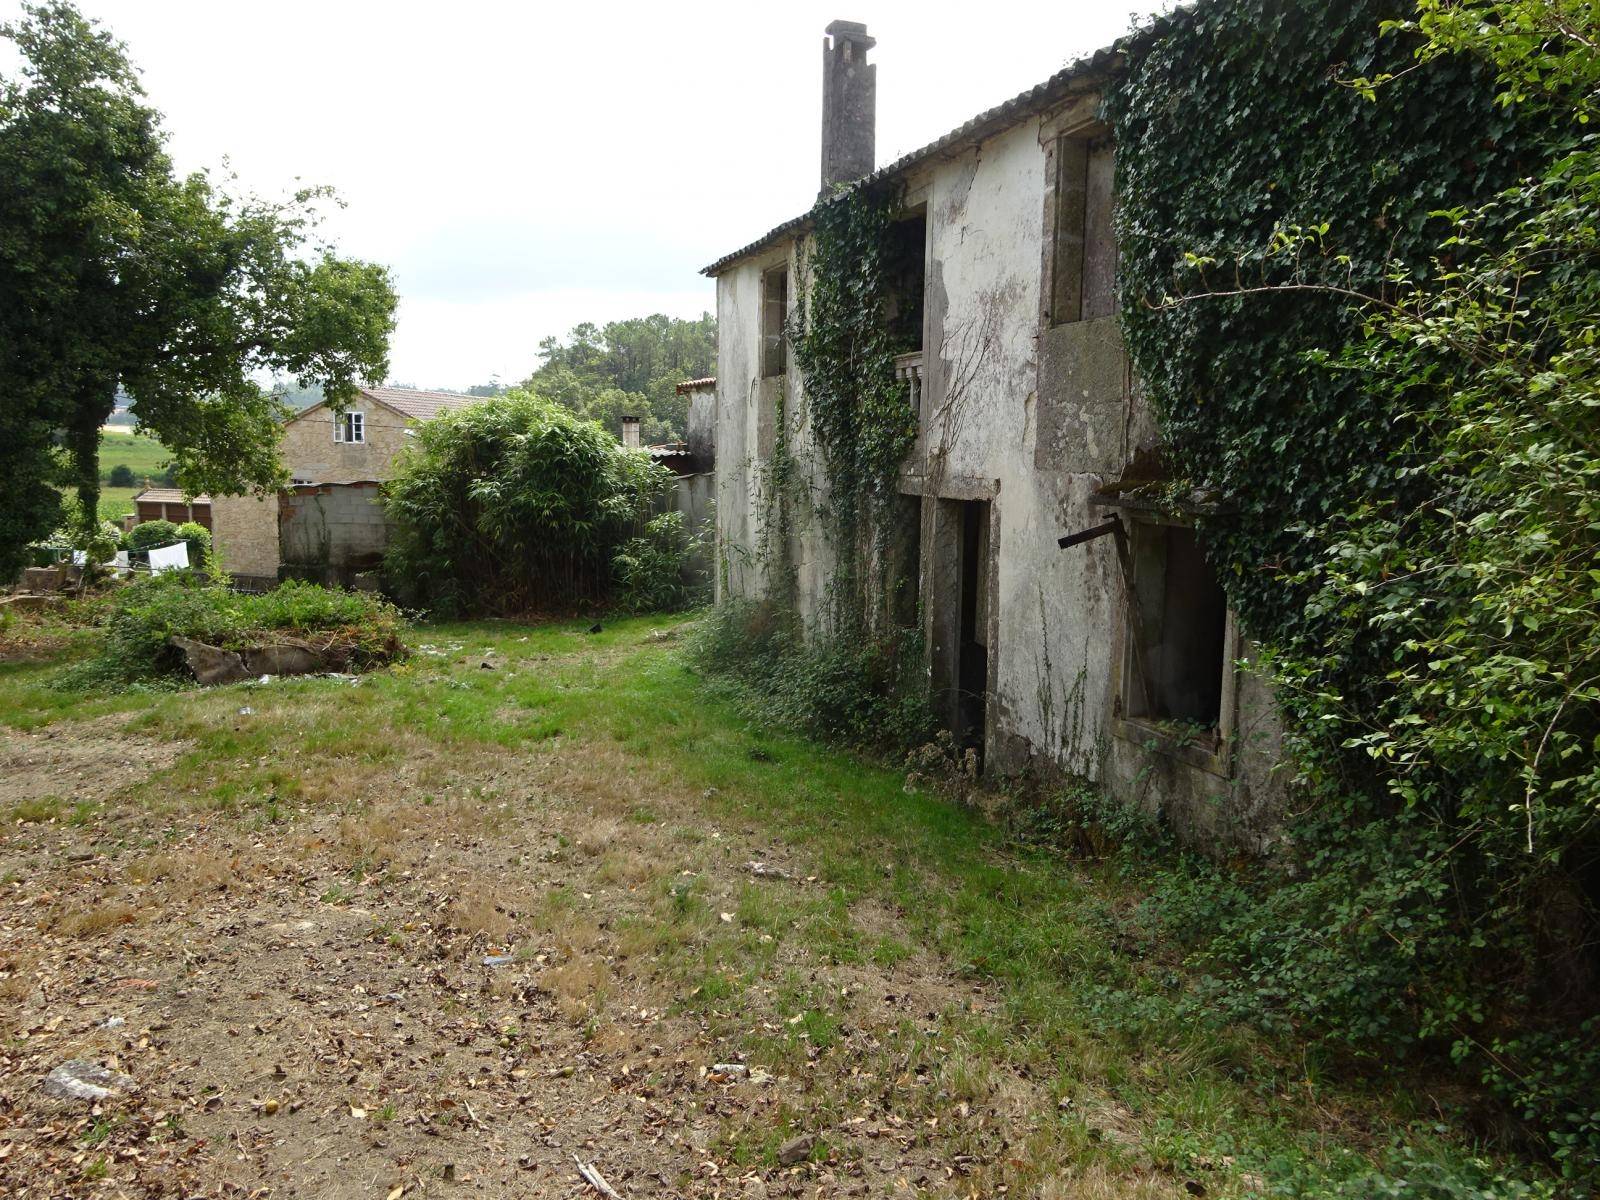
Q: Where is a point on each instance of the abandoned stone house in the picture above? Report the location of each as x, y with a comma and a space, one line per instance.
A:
328, 524
1114, 657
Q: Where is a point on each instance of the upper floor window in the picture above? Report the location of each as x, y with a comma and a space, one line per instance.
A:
349, 427
774, 313
1083, 243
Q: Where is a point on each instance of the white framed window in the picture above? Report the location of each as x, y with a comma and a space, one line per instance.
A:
350, 426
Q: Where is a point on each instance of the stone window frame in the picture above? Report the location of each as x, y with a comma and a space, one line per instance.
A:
350, 427
1074, 127
1146, 732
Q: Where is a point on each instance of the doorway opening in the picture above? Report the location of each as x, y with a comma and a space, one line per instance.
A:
972, 666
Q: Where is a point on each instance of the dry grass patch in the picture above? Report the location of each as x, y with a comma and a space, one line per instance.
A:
580, 987
478, 909
17, 974
95, 919
626, 867
187, 873
1099, 1183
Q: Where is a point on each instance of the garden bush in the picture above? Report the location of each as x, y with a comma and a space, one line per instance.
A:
651, 569
149, 534
514, 505
142, 618
198, 539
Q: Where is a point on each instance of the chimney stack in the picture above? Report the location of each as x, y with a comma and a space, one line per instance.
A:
630, 432
849, 105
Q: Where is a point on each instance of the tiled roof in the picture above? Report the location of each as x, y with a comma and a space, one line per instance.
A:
693, 385
413, 403
1035, 99
168, 496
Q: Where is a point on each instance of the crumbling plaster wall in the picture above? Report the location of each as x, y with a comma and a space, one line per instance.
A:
1033, 418
1040, 416
748, 412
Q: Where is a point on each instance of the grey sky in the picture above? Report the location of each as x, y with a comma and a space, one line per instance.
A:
525, 166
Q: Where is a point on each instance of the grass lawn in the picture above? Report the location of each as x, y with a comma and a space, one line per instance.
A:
288, 894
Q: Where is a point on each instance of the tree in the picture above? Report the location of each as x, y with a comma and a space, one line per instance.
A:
513, 504
114, 271
628, 368
121, 476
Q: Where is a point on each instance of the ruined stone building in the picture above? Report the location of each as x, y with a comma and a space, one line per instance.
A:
1115, 657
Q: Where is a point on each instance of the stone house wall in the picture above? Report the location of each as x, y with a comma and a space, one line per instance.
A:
245, 528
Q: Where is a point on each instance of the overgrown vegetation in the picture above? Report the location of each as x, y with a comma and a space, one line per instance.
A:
650, 568
514, 504
139, 622
1365, 311
864, 690
845, 344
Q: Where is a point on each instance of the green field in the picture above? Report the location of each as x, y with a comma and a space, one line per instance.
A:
145, 456
116, 503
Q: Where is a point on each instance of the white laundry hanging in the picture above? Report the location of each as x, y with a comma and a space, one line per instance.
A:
169, 558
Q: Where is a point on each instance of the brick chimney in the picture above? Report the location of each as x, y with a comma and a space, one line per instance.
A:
849, 105
630, 432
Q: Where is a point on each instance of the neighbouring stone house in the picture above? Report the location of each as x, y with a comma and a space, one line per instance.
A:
1113, 657
328, 524
168, 504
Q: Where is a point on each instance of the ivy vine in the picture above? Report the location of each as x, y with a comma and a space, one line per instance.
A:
845, 346
1313, 201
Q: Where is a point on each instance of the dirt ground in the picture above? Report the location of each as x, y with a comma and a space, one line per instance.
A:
478, 973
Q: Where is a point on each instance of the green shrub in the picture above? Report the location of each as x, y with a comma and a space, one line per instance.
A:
850, 686
198, 539
121, 476
514, 504
652, 569
148, 534
143, 617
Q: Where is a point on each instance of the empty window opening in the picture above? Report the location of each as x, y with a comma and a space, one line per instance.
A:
1178, 631
774, 313
972, 674
906, 271
349, 427
1084, 247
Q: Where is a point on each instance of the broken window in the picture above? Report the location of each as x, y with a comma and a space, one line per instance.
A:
349, 427
1177, 656
774, 312
1083, 246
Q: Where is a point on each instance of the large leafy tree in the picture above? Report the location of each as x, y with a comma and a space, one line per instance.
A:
116, 271
628, 368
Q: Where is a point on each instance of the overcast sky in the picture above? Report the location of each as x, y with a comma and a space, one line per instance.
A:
525, 166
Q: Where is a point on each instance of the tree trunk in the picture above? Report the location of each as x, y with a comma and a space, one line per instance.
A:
83, 445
